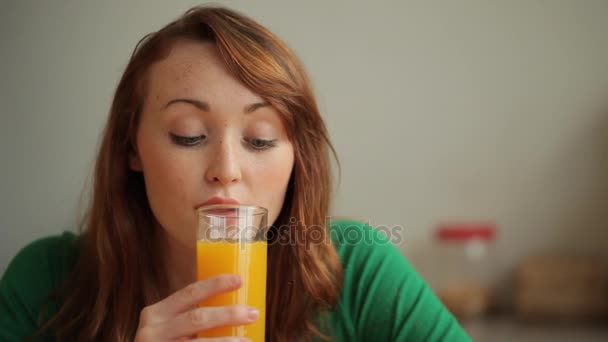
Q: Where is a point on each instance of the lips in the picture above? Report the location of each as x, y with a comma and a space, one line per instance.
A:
218, 200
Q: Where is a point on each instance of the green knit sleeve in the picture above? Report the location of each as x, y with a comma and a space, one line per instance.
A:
28, 281
385, 298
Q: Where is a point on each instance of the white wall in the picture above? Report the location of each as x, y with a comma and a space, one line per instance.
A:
469, 109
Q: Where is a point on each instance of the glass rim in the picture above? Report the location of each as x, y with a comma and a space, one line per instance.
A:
256, 210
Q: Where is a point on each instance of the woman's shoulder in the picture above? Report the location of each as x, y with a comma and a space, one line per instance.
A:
364, 249
352, 234
383, 297
31, 277
43, 262
51, 253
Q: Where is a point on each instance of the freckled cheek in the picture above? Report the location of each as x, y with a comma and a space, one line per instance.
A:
171, 178
271, 173
270, 183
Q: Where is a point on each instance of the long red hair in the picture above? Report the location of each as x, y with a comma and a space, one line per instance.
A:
115, 277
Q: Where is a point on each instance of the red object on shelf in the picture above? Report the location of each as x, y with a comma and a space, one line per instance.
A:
466, 231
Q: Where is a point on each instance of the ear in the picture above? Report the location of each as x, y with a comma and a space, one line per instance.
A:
135, 161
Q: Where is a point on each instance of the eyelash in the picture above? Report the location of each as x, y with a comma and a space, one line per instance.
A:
187, 141
266, 144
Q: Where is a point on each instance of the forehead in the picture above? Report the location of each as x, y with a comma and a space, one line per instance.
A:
195, 69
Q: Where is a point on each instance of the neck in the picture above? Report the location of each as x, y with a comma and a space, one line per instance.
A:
179, 262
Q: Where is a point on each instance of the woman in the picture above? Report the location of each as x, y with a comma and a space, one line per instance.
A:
214, 107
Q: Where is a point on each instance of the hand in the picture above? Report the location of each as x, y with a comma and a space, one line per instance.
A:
177, 317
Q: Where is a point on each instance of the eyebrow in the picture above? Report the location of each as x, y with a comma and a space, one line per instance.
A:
204, 106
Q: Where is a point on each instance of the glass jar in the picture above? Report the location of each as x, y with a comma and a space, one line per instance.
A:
463, 267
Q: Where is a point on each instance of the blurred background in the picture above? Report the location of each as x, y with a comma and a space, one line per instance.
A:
477, 129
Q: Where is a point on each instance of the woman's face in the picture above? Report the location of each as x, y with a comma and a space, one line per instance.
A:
203, 134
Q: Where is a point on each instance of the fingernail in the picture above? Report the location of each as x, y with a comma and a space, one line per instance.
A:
253, 314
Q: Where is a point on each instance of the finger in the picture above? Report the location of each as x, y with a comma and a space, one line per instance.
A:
188, 297
221, 339
200, 319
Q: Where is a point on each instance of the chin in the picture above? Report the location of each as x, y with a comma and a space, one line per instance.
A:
185, 239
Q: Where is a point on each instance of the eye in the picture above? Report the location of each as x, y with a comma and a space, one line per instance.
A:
186, 140
261, 144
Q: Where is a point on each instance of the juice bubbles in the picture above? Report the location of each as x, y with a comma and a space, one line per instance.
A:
229, 242
248, 259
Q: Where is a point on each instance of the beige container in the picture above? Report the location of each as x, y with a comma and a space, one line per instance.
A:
561, 287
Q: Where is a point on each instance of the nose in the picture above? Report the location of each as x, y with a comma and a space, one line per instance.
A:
224, 167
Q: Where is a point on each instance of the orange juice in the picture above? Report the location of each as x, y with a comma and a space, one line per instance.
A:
248, 259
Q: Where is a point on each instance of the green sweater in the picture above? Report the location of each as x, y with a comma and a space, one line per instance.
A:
383, 298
